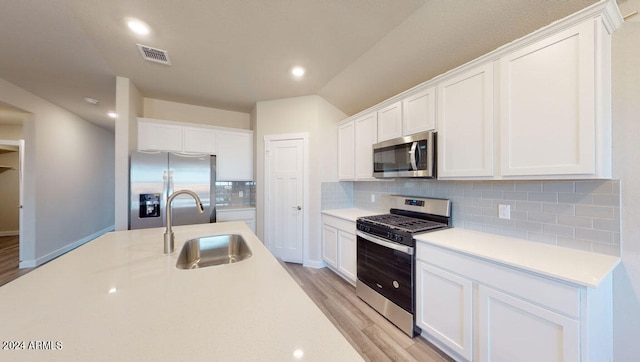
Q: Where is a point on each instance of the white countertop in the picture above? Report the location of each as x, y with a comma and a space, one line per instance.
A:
351, 214
574, 266
248, 311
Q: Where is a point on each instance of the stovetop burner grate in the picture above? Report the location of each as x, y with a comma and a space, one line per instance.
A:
405, 223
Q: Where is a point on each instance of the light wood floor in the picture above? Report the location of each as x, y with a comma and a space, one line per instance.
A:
375, 338
10, 259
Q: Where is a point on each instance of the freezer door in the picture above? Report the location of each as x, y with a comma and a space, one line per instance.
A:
148, 175
190, 172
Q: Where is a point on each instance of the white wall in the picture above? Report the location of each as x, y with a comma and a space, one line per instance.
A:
313, 115
626, 148
68, 177
129, 107
180, 112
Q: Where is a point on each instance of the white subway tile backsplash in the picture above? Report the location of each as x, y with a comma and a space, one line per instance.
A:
583, 215
558, 186
529, 206
594, 211
543, 196
575, 221
533, 186
542, 217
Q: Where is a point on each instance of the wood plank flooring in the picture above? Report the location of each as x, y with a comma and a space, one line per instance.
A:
10, 259
374, 337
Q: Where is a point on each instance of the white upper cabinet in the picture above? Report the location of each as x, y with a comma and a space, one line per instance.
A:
366, 134
419, 112
536, 108
199, 140
346, 151
234, 148
355, 154
153, 136
234, 161
465, 124
548, 105
390, 122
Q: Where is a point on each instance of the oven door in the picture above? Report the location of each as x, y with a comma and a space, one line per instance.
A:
387, 268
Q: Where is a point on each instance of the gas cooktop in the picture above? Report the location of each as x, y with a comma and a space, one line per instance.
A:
405, 223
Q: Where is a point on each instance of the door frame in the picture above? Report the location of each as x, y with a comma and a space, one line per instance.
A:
304, 136
20, 145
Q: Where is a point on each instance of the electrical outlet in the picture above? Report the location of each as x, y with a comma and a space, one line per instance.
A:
504, 211
373, 197
241, 194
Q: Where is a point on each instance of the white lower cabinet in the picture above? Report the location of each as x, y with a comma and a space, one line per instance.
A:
445, 314
512, 329
479, 310
330, 245
347, 255
246, 215
339, 246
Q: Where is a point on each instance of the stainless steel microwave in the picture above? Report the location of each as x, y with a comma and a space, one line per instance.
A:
409, 156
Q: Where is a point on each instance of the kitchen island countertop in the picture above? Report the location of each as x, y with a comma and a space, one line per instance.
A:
119, 297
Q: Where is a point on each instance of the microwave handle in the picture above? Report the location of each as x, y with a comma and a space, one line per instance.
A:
414, 161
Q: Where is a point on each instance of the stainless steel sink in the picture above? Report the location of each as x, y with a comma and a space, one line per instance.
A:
213, 250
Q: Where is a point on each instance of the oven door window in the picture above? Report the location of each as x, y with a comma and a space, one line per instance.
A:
387, 271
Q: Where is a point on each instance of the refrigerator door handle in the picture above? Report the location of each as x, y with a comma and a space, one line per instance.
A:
170, 184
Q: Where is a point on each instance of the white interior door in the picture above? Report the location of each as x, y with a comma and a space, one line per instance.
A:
285, 209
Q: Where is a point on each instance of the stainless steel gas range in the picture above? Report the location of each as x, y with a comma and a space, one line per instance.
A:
386, 255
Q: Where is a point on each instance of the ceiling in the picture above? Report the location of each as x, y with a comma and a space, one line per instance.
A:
230, 54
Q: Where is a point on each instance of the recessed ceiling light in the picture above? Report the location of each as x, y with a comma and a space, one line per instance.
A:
138, 27
113, 115
90, 100
297, 71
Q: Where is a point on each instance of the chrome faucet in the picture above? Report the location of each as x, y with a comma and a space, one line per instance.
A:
168, 234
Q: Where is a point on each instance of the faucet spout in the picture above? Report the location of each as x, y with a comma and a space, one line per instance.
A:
168, 234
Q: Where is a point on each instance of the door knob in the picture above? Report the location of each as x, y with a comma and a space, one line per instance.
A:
298, 207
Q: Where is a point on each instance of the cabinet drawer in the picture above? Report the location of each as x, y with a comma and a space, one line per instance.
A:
235, 215
552, 294
338, 223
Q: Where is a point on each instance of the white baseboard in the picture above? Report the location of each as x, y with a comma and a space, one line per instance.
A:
316, 264
10, 233
65, 249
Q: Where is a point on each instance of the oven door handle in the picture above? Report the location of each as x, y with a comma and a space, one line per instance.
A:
387, 244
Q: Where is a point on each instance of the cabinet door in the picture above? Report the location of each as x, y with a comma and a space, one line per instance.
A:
330, 245
199, 140
547, 111
512, 329
234, 161
465, 124
346, 151
248, 216
444, 308
419, 112
159, 137
366, 135
347, 255
390, 122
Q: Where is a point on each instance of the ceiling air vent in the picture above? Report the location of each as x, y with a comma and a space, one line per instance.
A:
154, 55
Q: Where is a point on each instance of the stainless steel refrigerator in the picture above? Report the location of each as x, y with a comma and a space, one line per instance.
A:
154, 176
